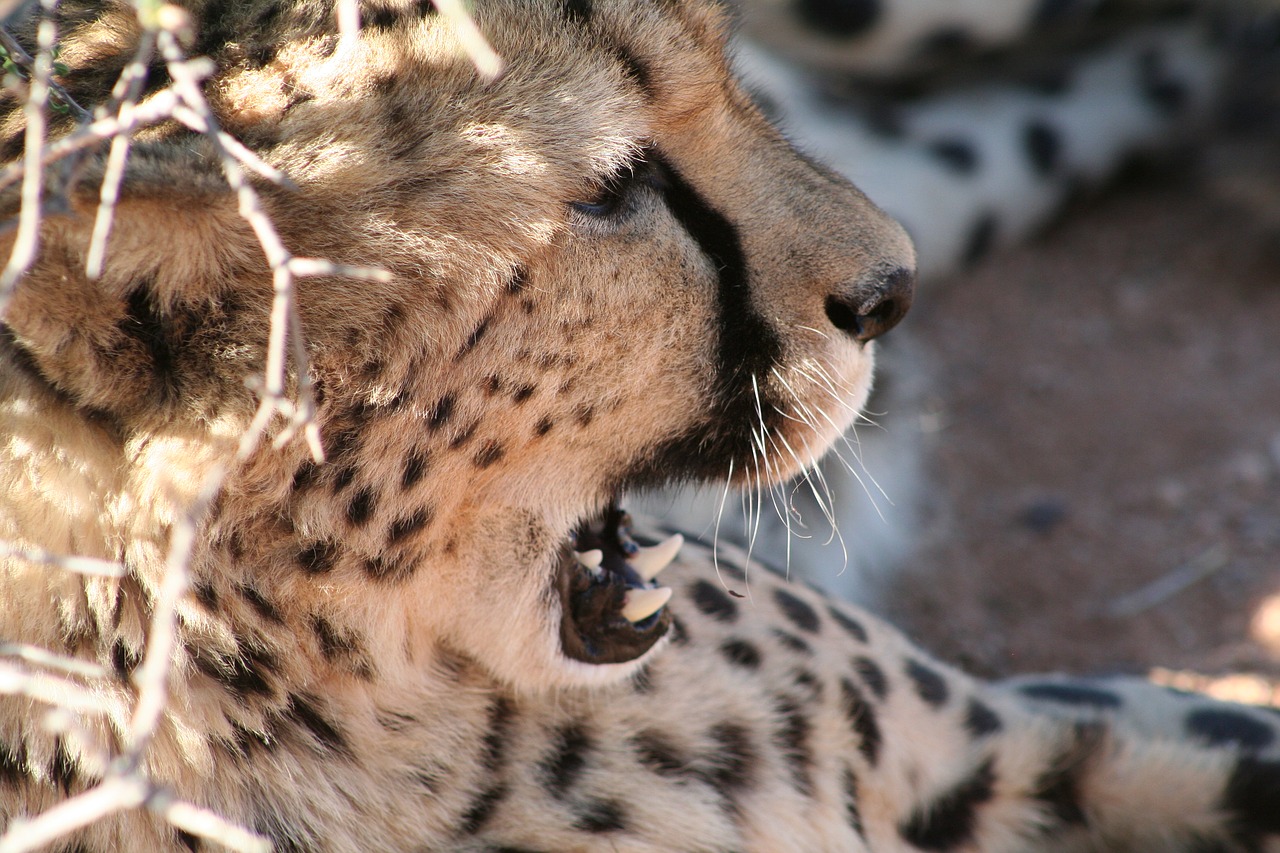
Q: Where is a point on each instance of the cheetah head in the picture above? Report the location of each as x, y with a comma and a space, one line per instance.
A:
607, 271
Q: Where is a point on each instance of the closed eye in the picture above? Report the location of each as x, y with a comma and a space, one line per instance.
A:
614, 193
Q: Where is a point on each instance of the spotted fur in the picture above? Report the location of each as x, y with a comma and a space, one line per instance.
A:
607, 271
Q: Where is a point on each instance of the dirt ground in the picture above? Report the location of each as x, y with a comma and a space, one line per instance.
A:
1104, 431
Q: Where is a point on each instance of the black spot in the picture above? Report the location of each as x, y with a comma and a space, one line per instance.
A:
1050, 82
143, 322
852, 810
206, 594
414, 467
957, 154
809, 682
543, 427
124, 660
949, 819
264, 608
474, 338
981, 239
361, 507
863, 719
1226, 727
245, 673
334, 644
187, 840
847, 622
302, 709
482, 809
391, 569
522, 393
248, 741
930, 686
636, 71
1250, 796
872, 676
1055, 11
489, 453
792, 738
568, 759
1071, 694
945, 44
585, 416
13, 763
842, 18
679, 633
317, 558
1059, 786
980, 721
340, 443
577, 11
284, 835
519, 280
463, 437
502, 715
1043, 145
343, 478
731, 763
600, 816
404, 527
1169, 95
792, 642
642, 681
305, 476
379, 17
797, 610
62, 767
714, 601
741, 653
657, 753
441, 412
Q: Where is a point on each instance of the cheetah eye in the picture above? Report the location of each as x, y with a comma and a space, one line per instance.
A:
615, 191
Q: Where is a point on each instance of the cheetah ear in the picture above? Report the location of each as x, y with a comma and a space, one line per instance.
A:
177, 247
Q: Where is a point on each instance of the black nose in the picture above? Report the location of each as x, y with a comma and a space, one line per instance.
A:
870, 308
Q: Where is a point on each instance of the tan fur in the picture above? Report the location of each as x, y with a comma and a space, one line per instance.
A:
371, 658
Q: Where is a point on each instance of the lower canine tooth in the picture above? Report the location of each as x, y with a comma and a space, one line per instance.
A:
640, 604
589, 559
649, 561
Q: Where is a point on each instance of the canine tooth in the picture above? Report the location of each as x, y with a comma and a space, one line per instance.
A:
640, 604
590, 559
649, 561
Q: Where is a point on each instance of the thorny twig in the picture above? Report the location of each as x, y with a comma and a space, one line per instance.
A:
23, 59
24, 247
79, 565
125, 785
124, 98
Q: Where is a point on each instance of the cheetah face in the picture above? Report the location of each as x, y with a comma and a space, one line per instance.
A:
608, 271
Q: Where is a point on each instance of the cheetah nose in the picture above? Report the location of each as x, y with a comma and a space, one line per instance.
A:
872, 306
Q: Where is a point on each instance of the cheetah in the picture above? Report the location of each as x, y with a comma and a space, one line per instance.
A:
603, 270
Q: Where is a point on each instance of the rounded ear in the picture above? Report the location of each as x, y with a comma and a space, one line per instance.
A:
179, 266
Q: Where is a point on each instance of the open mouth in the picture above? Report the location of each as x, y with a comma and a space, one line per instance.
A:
613, 610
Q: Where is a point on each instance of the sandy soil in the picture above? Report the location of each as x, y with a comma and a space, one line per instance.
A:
1105, 445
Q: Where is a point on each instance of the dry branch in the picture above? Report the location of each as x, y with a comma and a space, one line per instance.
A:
67, 685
